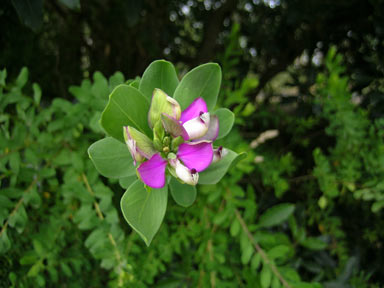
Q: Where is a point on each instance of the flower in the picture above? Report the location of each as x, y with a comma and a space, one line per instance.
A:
182, 143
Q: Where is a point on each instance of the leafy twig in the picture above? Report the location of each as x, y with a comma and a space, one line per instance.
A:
17, 206
261, 251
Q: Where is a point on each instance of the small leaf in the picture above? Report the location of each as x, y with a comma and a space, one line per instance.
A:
313, 243
235, 228
216, 171
265, 276
144, 210
203, 81
5, 243
276, 215
111, 158
36, 93
183, 194
126, 107
160, 74
256, 261
226, 120
22, 78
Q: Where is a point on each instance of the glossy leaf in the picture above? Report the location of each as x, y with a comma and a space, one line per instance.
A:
203, 81
183, 194
160, 74
226, 120
276, 215
111, 158
216, 171
127, 106
144, 210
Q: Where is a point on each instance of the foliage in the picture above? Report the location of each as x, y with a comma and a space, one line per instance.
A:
296, 217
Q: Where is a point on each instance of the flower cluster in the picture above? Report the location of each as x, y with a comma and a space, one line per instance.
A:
182, 141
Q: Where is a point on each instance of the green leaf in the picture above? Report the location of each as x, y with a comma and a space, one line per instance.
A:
111, 158
265, 276
276, 215
144, 210
216, 171
22, 78
125, 182
160, 74
203, 81
226, 120
183, 194
314, 243
5, 243
36, 93
126, 107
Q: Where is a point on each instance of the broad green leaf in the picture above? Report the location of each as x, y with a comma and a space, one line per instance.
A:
279, 252
265, 276
160, 74
126, 107
144, 210
216, 171
276, 215
226, 119
111, 158
125, 182
203, 81
183, 194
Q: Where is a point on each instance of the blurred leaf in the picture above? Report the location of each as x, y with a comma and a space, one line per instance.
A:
71, 4
313, 243
265, 276
30, 12
276, 215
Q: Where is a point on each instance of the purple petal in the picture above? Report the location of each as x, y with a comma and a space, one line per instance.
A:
213, 130
193, 110
173, 127
152, 172
197, 156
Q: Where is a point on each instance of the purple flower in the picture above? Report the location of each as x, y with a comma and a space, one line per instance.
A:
182, 141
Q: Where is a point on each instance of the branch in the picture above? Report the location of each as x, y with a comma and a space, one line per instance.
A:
261, 251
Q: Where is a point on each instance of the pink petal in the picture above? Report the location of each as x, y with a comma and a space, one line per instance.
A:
193, 110
213, 130
197, 156
152, 172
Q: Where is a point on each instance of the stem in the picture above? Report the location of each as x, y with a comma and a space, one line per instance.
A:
261, 251
101, 217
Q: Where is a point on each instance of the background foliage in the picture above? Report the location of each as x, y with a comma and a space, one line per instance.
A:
303, 209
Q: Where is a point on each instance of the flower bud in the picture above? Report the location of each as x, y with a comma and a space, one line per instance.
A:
218, 154
188, 176
197, 127
139, 145
162, 103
